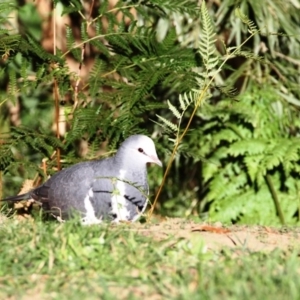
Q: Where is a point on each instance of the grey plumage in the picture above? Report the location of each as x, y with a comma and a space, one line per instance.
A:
114, 188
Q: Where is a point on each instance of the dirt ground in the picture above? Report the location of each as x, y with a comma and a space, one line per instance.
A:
216, 236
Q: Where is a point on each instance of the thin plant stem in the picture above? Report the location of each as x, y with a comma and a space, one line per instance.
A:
275, 199
199, 101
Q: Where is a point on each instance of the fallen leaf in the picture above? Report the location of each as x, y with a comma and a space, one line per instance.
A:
209, 228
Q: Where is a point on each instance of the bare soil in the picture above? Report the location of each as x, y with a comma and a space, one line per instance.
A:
216, 236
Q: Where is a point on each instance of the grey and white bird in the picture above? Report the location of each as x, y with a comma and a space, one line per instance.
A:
113, 188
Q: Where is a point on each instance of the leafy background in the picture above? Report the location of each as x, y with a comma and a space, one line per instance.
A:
108, 69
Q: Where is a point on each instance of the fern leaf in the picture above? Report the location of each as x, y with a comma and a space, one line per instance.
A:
253, 163
275, 155
182, 103
12, 87
218, 188
174, 110
207, 47
6, 157
209, 171
292, 151
168, 124
71, 44
186, 99
229, 91
103, 8
74, 6
225, 135
251, 26
244, 147
95, 80
249, 55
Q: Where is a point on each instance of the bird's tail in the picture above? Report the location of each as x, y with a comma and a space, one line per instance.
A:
18, 197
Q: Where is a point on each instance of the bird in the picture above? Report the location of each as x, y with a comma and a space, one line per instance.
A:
113, 189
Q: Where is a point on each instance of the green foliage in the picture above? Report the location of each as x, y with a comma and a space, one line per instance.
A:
9, 41
249, 141
130, 77
207, 45
26, 138
278, 40
184, 101
248, 157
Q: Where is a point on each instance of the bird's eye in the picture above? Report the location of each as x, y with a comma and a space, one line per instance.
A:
141, 150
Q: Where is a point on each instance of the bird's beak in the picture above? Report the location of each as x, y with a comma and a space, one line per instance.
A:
155, 160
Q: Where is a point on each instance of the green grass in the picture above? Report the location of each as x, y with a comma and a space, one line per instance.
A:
47, 260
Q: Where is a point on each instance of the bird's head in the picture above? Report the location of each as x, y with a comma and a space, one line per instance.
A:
139, 149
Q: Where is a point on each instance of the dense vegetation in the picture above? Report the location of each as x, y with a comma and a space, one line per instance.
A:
216, 85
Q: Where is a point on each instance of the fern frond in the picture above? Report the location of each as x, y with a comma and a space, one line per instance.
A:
292, 151
168, 42
253, 163
174, 110
181, 6
183, 105
6, 156
168, 124
71, 44
248, 146
24, 69
218, 187
39, 141
32, 46
84, 120
275, 155
74, 6
84, 32
151, 106
250, 24
228, 91
207, 47
104, 50
249, 55
103, 8
95, 80
209, 171
8, 43
7, 6
225, 135
191, 97
12, 87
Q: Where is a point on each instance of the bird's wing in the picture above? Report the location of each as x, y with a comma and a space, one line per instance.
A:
66, 190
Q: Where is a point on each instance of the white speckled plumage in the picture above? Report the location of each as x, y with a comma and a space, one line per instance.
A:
90, 217
118, 201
